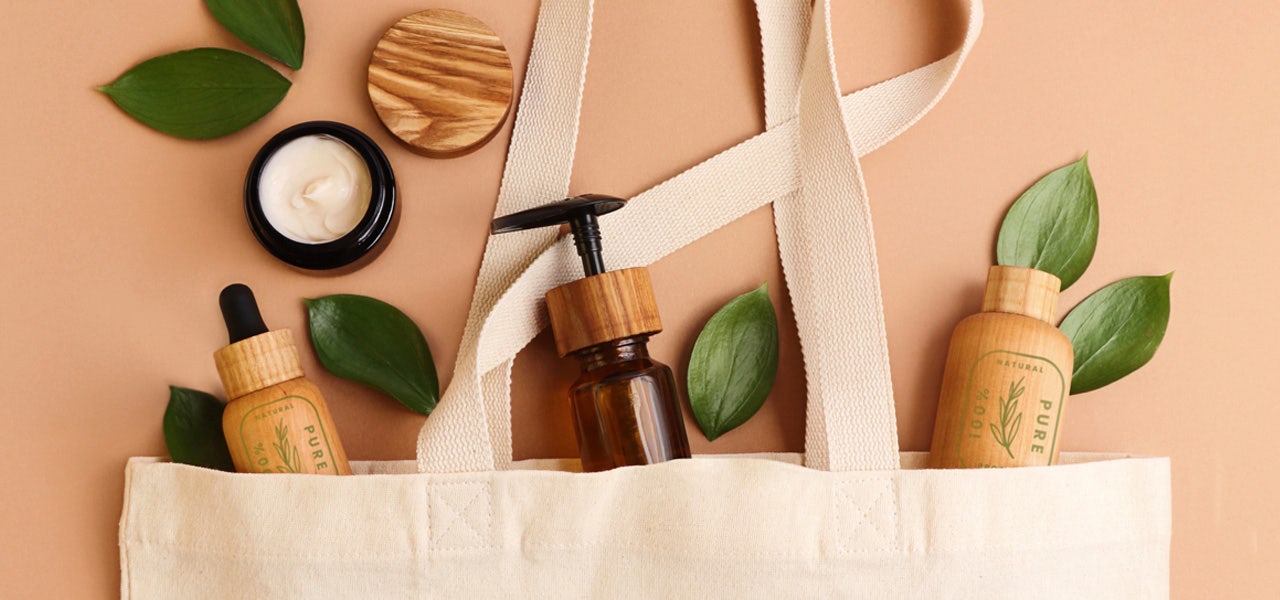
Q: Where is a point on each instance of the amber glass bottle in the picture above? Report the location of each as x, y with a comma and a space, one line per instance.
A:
624, 407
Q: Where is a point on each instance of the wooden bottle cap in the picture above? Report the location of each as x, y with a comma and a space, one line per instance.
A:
1022, 291
603, 308
258, 362
440, 80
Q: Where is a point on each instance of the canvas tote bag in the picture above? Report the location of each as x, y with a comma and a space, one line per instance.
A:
851, 518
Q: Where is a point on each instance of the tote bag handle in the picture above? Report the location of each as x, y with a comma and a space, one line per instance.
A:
805, 163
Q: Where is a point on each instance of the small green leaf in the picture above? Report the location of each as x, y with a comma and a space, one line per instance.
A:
1053, 226
1116, 330
734, 363
193, 430
199, 94
367, 340
272, 26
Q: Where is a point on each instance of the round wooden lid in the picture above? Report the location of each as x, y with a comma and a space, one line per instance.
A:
603, 308
1022, 291
440, 80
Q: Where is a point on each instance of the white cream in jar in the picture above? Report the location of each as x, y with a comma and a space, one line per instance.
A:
314, 189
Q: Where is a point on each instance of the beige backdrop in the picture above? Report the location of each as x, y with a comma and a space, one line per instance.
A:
117, 239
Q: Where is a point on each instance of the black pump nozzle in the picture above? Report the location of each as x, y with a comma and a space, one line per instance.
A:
240, 311
579, 212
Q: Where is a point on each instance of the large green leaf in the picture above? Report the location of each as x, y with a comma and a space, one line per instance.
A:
1116, 330
367, 340
1053, 226
199, 94
734, 363
272, 26
193, 429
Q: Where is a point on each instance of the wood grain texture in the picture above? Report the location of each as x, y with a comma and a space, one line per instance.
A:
1006, 380
441, 81
284, 428
257, 362
602, 308
1167, 125
277, 421
1022, 291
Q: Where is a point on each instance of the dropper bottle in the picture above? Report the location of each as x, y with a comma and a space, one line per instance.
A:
276, 420
625, 404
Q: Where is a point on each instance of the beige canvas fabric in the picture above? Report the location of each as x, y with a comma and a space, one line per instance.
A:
851, 518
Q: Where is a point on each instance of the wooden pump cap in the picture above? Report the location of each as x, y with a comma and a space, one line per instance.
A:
1022, 291
258, 362
603, 308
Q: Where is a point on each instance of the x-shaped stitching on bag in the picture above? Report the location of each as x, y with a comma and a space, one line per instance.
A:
459, 515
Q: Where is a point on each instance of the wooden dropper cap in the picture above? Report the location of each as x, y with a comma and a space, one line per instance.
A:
256, 358
1022, 291
258, 363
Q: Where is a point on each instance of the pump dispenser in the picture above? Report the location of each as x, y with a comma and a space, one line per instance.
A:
1007, 377
276, 420
625, 404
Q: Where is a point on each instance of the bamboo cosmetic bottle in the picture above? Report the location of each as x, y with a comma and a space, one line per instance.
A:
276, 420
625, 405
1007, 378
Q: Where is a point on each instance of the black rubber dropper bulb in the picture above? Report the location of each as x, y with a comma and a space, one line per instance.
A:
580, 213
240, 312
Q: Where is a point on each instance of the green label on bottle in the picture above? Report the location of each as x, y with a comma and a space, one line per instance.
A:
298, 444
1012, 404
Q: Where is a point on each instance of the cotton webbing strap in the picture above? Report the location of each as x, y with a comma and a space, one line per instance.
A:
807, 166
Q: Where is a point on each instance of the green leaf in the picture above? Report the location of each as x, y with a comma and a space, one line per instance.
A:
367, 340
1116, 330
193, 430
1053, 226
734, 363
272, 26
199, 94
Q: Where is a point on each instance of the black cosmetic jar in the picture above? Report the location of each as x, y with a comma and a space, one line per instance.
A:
357, 247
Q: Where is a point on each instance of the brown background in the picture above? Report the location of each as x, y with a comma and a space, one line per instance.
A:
117, 239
